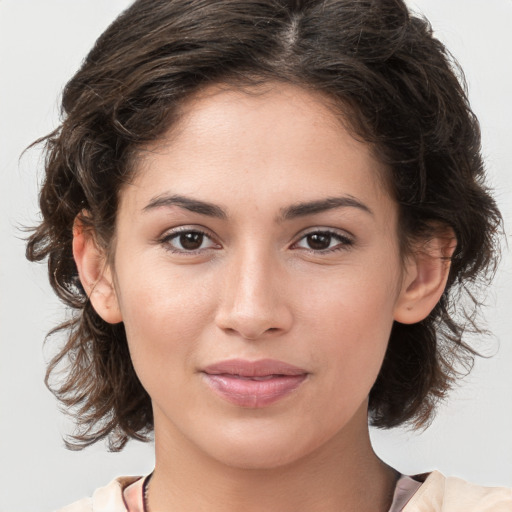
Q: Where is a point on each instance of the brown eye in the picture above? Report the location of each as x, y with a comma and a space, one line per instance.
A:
191, 241
319, 241
324, 241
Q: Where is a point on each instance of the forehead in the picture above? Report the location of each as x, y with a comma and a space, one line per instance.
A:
244, 141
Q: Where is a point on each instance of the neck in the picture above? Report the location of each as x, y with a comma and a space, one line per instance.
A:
343, 474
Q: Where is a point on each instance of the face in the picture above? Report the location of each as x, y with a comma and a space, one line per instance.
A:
257, 272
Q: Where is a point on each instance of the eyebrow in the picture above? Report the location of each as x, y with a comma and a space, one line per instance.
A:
330, 203
193, 205
301, 209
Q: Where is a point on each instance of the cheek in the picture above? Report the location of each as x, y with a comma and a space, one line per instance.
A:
163, 316
351, 321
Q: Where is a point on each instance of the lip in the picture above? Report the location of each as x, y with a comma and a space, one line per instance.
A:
253, 384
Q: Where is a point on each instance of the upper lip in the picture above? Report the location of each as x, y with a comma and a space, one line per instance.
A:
259, 368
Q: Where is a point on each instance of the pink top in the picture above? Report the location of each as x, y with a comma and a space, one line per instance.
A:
405, 489
133, 496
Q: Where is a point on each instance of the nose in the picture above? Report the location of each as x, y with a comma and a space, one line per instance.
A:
254, 303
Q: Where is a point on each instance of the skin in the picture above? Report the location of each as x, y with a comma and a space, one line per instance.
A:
258, 287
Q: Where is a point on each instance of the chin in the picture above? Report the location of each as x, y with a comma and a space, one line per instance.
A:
257, 457
264, 449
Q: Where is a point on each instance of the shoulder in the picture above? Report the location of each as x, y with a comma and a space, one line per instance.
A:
449, 494
104, 499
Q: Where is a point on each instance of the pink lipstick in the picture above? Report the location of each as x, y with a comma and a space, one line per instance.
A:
253, 384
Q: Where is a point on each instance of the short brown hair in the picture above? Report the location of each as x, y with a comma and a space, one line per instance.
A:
395, 83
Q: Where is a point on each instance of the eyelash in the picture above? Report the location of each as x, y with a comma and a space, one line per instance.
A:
345, 242
166, 240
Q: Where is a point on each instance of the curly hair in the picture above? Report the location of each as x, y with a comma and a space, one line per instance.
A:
396, 85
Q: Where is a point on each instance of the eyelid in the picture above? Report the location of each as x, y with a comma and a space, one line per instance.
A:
346, 239
173, 233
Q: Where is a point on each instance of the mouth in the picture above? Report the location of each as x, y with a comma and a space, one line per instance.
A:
253, 384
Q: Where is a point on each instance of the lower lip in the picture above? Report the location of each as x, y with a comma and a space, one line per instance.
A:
246, 392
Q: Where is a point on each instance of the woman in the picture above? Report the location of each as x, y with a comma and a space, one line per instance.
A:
262, 212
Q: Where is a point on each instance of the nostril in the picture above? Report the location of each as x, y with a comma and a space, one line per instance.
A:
250, 334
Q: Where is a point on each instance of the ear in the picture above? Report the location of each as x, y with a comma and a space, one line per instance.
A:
95, 273
425, 276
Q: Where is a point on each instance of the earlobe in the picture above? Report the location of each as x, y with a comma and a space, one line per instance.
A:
95, 274
425, 276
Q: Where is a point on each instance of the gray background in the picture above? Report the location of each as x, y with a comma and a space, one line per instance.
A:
41, 45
